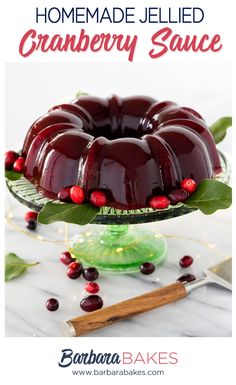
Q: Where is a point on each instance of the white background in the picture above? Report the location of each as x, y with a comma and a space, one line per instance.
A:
35, 360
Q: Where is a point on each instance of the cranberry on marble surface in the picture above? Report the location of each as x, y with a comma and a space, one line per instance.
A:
186, 278
90, 273
66, 258
31, 215
92, 287
186, 261
31, 224
147, 268
52, 304
91, 303
74, 270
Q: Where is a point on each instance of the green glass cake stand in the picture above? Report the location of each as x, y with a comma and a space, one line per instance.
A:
121, 245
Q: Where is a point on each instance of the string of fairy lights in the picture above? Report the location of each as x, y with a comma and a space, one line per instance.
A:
65, 238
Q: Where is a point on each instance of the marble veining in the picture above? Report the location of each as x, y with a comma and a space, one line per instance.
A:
206, 313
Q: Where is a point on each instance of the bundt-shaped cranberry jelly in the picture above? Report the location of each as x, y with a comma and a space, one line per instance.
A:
130, 148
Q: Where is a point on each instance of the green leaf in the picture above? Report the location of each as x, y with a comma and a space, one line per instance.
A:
219, 128
80, 93
67, 212
12, 175
15, 266
211, 195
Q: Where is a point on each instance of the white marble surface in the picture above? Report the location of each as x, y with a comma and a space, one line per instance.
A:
207, 312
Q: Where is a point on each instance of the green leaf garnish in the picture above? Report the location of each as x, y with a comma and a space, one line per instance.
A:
67, 212
15, 266
211, 195
219, 128
12, 175
80, 93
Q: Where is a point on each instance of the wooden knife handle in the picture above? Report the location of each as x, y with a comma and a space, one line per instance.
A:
125, 309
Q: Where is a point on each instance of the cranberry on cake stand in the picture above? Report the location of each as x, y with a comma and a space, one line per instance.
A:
120, 245
126, 153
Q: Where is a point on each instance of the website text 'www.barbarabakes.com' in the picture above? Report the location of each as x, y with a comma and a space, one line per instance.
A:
119, 372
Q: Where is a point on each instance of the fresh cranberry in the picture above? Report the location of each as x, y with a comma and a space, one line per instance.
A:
98, 199
147, 268
92, 287
178, 195
52, 304
64, 194
186, 261
91, 303
66, 258
189, 185
77, 194
74, 270
19, 164
159, 202
31, 224
10, 157
186, 278
90, 274
31, 215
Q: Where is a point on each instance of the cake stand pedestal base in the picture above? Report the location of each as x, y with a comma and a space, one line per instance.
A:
119, 248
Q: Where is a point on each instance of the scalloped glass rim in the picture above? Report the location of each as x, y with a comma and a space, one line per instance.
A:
26, 193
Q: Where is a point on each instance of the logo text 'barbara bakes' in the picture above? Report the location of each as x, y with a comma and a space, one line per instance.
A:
68, 358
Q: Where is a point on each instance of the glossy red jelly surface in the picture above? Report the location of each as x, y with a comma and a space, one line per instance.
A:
130, 148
